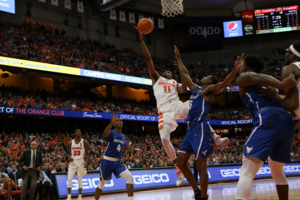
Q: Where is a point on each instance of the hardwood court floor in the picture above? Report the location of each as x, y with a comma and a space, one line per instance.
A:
261, 190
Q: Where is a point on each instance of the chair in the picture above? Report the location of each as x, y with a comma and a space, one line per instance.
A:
14, 193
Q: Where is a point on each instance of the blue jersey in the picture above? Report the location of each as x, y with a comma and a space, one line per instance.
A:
255, 102
115, 144
199, 107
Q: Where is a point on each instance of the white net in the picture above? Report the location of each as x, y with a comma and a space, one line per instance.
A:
171, 7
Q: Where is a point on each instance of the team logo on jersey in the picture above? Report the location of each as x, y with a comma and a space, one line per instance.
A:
249, 149
81, 144
204, 152
233, 27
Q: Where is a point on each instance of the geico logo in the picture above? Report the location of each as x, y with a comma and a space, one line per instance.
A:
150, 178
264, 170
88, 183
230, 172
289, 169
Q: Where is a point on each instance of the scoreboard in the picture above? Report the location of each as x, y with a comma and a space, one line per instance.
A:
276, 20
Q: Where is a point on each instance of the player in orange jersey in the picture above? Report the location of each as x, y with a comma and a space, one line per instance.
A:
170, 107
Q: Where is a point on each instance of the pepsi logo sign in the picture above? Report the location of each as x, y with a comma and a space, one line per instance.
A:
233, 27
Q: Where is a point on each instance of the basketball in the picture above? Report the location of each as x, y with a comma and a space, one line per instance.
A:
145, 25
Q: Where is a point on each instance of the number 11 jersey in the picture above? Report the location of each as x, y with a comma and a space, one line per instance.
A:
115, 144
165, 90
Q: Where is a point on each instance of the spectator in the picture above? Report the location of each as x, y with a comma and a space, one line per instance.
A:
138, 164
14, 174
90, 167
46, 169
45, 186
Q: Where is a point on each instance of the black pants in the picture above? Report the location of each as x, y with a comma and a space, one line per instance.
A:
30, 173
45, 189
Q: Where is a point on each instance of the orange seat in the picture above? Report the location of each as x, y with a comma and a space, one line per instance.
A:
15, 193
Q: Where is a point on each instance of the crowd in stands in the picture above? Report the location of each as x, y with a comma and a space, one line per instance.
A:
151, 152
42, 44
221, 70
16, 97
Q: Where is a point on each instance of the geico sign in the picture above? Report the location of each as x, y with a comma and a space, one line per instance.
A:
150, 178
88, 183
289, 169
230, 172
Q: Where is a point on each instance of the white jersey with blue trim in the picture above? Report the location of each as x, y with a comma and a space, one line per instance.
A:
115, 144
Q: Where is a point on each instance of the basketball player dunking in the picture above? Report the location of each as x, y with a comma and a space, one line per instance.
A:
170, 107
273, 130
77, 149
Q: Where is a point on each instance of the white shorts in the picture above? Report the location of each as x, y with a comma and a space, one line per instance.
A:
77, 166
171, 111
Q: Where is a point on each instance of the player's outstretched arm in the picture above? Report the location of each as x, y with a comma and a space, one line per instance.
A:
150, 65
247, 79
217, 88
111, 124
185, 76
69, 152
86, 149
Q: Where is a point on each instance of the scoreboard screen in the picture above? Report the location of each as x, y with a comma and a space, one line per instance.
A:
276, 20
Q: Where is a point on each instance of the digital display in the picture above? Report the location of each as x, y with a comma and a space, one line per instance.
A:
158, 178
247, 16
276, 20
8, 6
233, 29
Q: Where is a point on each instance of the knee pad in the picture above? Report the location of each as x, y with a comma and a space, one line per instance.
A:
79, 181
127, 176
277, 172
101, 184
130, 180
250, 167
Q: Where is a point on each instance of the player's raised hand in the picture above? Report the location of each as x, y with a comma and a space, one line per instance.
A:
239, 62
290, 82
113, 119
140, 34
177, 52
268, 92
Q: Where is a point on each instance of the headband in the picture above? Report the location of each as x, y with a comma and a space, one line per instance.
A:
294, 51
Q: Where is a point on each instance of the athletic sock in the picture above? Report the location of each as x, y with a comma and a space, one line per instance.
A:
215, 136
177, 168
130, 198
69, 196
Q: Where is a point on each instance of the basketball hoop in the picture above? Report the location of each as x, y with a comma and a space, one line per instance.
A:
171, 7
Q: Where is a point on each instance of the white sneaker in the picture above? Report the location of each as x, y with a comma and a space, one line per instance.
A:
79, 198
222, 142
180, 178
69, 198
